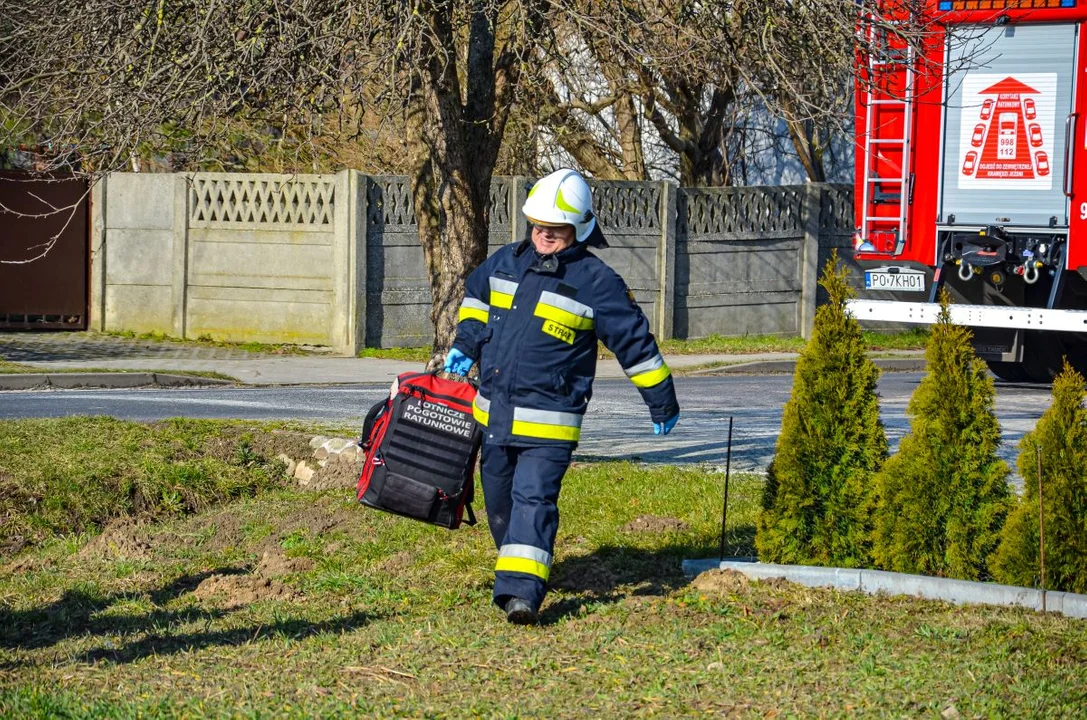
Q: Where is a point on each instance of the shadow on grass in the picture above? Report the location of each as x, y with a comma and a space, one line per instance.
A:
168, 644
76, 614
73, 613
612, 573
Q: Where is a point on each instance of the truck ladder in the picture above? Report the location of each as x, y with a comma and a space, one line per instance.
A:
888, 125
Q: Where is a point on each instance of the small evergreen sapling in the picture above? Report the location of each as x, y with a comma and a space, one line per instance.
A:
944, 495
1060, 437
817, 502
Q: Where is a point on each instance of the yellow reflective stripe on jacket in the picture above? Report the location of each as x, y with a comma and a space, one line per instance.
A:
472, 309
524, 559
649, 373
564, 311
502, 292
481, 409
547, 424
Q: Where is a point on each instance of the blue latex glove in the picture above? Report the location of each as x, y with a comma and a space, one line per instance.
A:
665, 427
458, 363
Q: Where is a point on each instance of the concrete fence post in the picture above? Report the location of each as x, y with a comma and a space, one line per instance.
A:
97, 310
180, 274
359, 243
341, 317
809, 258
518, 195
666, 265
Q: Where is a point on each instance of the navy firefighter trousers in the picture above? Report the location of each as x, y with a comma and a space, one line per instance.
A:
521, 489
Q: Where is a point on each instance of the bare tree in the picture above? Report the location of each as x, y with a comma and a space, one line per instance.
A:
116, 80
691, 75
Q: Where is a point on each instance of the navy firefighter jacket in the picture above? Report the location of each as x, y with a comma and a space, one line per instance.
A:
532, 322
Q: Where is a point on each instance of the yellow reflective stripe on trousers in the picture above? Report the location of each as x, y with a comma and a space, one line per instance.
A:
649, 373
502, 292
524, 559
472, 309
547, 424
481, 410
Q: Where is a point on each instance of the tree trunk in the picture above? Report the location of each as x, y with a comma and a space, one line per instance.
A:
451, 212
454, 143
808, 149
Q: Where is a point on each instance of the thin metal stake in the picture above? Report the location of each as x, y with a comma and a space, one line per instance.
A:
1041, 519
728, 469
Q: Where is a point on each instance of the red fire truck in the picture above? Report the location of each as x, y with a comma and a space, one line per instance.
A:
971, 175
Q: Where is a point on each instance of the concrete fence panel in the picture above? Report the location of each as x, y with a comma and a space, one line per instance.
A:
137, 253
335, 259
260, 258
737, 261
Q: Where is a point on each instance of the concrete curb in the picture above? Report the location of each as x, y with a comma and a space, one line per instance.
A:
760, 367
874, 582
117, 380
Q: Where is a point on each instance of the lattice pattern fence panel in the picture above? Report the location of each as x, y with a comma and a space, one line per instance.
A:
389, 202
282, 201
741, 213
623, 206
836, 212
500, 204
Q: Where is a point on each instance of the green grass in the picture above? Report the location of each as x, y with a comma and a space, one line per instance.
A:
74, 474
415, 354
751, 344
373, 614
10, 368
208, 341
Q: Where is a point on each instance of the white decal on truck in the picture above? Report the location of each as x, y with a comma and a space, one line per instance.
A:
1006, 136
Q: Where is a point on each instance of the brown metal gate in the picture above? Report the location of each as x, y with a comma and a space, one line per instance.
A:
43, 252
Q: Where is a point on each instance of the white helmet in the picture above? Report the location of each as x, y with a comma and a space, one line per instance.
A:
562, 198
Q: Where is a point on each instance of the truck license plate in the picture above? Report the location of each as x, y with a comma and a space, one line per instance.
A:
901, 280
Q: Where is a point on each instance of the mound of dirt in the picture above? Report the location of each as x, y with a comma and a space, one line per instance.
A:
236, 590
654, 524
321, 517
341, 472
228, 533
721, 582
122, 539
268, 445
397, 563
291, 444
275, 562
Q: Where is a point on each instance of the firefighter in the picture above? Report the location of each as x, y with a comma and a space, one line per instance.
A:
531, 317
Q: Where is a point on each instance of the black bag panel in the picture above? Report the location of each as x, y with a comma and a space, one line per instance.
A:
408, 497
395, 493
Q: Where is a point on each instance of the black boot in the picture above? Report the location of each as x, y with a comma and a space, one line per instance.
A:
520, 612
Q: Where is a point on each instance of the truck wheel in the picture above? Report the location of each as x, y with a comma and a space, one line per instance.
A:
1044, 354
1009, 371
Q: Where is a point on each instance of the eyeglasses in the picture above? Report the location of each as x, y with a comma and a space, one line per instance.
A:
551, 231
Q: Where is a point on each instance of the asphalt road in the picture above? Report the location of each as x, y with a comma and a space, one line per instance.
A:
617, 425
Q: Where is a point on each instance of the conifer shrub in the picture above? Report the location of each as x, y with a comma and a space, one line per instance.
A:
943, 497
1060, 438
818, 497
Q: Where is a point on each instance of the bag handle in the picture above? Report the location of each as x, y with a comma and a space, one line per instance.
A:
368, 423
